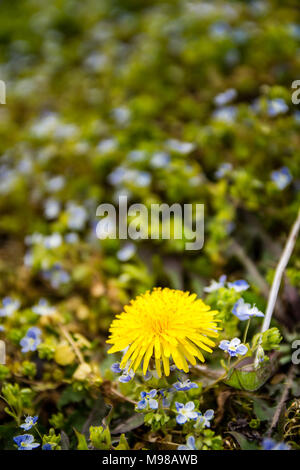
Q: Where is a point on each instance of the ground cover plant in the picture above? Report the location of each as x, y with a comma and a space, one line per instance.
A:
142, 344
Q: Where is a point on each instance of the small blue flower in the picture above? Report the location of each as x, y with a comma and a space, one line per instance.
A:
165, 401
2, 328
270, 444
190, 444
51, 208
148, 399
10, 306
116, 368
215, 285
57, 276
185, 412
180, 147
53, 241
25, 442
225, 97
233, 347
77, 216
225, 114
29, 422
281, 178
223, 170
277, 106
31, 340
244, 311
206, 418
47, 446
239, 285
184, 386
126, 375
43, 308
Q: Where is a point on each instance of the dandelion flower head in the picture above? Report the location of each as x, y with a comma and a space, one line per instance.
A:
166, 324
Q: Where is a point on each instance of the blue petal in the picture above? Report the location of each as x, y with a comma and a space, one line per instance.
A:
181, 419
153, 404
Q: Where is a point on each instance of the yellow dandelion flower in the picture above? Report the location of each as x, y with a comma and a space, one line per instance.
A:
166, 324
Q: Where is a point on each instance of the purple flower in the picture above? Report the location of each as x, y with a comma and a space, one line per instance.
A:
148, 400
190, 444
29, 422
25, 442
185, 412
244, 311
233, 347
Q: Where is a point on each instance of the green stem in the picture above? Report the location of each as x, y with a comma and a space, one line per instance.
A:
246, 331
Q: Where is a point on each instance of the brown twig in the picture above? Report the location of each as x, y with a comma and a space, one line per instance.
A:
73, 345
282, 400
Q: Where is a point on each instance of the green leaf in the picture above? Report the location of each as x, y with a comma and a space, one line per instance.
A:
242, 441
82, 444
123, 444
245, 377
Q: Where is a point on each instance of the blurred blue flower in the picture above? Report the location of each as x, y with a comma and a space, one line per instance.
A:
148, 400
190, 444
281, 178
71, 238
180, 147
43, 308
215, 285
185, 412
225, 97
239, 285
31, 340
25, 442
184, 386
233, 347
160, 160
53, 241
9, 307
77, 216
56, 276
51, 209
225, 114
244, 311
277, 106
47, 446
56, 183
126, 252
223, 170
29, 422
107, 145
270, 444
